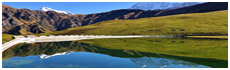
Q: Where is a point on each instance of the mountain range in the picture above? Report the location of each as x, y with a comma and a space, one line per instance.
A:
25, 21
162, 5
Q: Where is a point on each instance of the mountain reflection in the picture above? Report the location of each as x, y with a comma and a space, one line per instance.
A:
142, 59
161, 62
44, 56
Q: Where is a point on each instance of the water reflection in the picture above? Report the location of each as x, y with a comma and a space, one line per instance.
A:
94, 60
164, 62
78, 54
44, 56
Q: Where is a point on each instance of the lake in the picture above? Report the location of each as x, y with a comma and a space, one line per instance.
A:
120, 53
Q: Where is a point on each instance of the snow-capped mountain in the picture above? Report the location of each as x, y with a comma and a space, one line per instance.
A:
162, 5
49, 9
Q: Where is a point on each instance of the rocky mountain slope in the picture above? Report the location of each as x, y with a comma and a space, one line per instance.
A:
25, 21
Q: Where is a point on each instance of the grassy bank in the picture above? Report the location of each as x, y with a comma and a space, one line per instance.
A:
7, 37
214, 37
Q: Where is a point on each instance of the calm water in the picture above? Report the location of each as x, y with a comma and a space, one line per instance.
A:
82, 55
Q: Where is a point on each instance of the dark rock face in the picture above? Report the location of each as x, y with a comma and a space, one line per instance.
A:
24, 21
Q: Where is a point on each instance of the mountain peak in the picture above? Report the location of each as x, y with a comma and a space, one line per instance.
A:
44, 9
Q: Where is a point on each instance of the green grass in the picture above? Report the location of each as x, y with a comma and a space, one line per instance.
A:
211, 23
7, 37
196, 48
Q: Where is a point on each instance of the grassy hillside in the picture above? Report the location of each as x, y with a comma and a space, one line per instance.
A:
211, 23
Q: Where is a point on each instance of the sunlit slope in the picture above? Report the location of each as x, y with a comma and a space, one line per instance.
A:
211, 23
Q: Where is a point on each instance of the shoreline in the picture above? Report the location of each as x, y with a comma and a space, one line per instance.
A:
209, 37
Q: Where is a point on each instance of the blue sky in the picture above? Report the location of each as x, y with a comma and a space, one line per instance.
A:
74, 7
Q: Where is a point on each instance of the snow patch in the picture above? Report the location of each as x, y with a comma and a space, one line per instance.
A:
45, 9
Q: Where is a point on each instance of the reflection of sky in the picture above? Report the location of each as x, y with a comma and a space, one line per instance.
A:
94, 60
